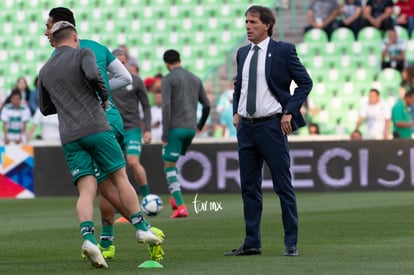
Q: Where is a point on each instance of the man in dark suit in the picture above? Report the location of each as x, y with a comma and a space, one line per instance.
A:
265, 113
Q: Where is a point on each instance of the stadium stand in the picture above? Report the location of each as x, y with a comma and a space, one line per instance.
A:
343, 71
206, 32
402, 32
341, 38
148, 27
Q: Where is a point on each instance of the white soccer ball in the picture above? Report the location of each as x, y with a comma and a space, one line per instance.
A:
151, 205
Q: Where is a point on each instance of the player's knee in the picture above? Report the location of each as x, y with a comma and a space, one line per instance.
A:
133, 161
169, 158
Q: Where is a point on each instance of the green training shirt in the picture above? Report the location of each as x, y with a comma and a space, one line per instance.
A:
103, 58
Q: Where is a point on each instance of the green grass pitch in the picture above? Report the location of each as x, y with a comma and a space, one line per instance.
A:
340, 233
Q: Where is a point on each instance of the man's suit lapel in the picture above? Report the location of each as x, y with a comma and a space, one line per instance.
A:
269, 58
243, 56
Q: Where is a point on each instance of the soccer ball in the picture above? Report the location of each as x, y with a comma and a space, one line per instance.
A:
151, 205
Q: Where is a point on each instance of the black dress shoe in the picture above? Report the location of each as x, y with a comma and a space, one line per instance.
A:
291, 251
244, 251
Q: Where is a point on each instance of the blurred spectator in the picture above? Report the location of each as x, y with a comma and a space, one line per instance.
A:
23, 88
393, 51
157, 83
34, 97
405, 16
223, 100
314, 129
153, 85
131, 61
407, 82
356, 135
224, 108
133, 69
15, 116
149, 85
208, 128
309, 110
226, 118
352, 15
49, 128
377, 117
377, 13
156, 117
322, 15
401, 116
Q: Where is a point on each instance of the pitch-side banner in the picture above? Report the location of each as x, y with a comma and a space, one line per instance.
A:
315, 166
16, 171
213, 167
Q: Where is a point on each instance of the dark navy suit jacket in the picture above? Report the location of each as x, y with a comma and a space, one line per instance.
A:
282, 66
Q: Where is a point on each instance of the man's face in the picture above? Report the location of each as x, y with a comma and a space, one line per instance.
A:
256, 29
122, 58
392, 36
16, 100
409, 100
133, 69
21, 84
355, 136
49, 25
158, 99
373, 98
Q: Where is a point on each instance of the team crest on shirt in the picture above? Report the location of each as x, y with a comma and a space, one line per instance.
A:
75, 172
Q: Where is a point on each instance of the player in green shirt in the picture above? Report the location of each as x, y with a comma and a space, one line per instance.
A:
401, 116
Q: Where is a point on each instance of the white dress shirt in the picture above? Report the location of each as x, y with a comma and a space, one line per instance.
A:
266, 103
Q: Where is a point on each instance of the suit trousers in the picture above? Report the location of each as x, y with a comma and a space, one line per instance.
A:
260, 142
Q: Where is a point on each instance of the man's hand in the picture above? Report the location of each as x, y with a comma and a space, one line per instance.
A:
376, 22
147, 137
285, 124
105, 104
236, 119
346, 21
